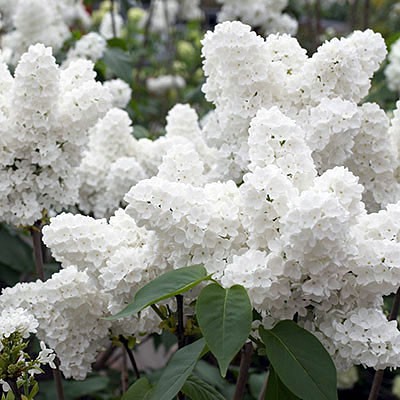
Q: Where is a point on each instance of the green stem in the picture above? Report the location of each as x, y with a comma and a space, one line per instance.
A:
125, 343
158, 312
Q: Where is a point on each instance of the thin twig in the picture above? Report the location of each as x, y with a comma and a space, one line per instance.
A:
58, 380
124, 373
36, 231
125, 343
245, 362
180, 329
104, 357
146, 38
113, 25
264, 388
378, 377
367, 9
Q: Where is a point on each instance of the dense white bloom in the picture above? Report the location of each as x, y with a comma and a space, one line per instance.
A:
69, 309
35, 21
264, 14
120, 91
90, 47
46, 114
284, 217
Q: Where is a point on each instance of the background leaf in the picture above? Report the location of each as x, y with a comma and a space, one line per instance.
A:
224, 317
177, 371
140, 390
300, 361
276, 390
165, 286
197, 389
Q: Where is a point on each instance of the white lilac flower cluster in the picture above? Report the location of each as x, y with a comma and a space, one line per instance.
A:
29, 22
295, 232
272, 193
109, 167
392, 71
115, 161
321, 94
265, 15
89, 47
45, 115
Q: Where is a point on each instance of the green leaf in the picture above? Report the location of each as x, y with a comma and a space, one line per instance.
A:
140, 390
119, 62
276, 390
224, 317
300, 361
177, 371
197, 389
165, 286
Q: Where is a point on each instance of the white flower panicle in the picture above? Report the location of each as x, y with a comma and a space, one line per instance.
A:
69, 309
89, 47
46, 114
35, 21
112, 150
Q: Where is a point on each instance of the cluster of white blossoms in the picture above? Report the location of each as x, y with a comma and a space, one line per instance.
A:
89, 47
115, 161
295, 232
45, 114
273, 193
265, 15
29, 22
392, 71
109, 167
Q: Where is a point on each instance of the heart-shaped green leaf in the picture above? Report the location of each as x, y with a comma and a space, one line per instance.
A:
224, 317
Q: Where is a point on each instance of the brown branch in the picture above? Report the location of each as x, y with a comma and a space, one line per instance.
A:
36, 232
378, 377
245, 362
